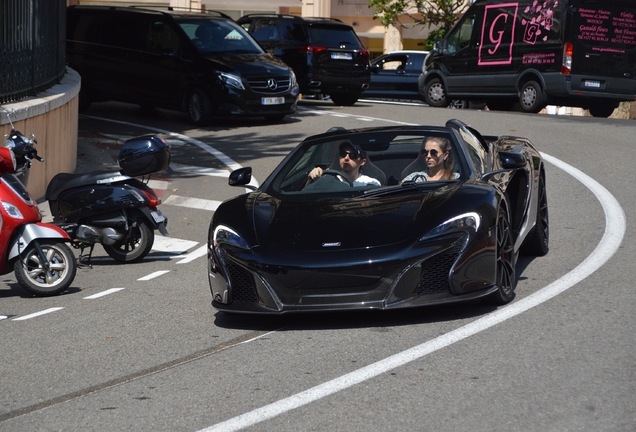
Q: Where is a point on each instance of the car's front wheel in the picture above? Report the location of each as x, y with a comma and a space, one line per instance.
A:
505, 260
199, 107
435, 93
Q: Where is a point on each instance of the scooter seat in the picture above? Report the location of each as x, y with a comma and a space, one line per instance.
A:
65, 181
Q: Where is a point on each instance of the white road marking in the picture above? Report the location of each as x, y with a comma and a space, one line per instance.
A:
216, 172
154, 275
3, 317
357, 117
615, 226
103, 293
202, 251
158, 184
195, 203
37, 314
172, 245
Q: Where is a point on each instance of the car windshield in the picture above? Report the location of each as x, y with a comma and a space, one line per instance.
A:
219, 37
387, 159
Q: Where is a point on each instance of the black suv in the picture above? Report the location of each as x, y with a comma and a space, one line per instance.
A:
326, 54
203, 64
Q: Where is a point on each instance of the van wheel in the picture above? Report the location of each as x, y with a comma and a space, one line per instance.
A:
199, 107
435, 94
531, 97
602, 109
343, 99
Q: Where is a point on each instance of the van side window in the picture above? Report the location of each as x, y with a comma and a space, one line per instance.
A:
162, 39
459, 38
123, 31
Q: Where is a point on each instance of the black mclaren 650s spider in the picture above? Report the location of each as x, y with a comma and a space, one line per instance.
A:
294, 245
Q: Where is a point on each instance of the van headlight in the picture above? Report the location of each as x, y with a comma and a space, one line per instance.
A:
231, 80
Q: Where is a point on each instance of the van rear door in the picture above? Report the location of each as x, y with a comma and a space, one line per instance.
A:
603, 37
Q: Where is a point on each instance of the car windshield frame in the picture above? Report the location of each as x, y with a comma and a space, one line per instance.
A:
227, 37
389, 153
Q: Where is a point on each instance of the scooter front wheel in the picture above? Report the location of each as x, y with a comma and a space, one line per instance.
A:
33, 277
136, 247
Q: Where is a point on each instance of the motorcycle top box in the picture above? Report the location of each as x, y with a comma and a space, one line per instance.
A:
144, 155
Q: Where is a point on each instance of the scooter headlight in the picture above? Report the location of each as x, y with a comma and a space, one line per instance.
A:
12, 210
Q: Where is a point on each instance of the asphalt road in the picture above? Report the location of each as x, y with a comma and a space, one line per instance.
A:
138, 347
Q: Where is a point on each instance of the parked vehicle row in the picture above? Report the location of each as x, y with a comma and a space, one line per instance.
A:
203, 64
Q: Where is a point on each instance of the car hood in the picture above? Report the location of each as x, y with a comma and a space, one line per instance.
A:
250, 64
353, 223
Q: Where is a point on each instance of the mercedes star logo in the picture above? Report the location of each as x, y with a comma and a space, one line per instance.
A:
272, 84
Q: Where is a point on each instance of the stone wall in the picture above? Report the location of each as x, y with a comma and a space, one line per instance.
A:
52, 116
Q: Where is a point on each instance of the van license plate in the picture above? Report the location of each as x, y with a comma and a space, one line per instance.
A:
273, 101
157, 216
341, 56
592, 83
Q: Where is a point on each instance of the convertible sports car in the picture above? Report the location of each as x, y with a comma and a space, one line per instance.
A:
291, 245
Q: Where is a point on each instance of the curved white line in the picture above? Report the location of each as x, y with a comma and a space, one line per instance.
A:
615, 227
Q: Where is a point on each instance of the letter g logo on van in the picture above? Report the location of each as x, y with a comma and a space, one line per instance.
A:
498, 34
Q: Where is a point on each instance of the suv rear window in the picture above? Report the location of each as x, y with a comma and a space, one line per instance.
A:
333, 37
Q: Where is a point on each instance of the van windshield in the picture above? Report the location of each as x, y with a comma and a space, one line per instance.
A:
218, 37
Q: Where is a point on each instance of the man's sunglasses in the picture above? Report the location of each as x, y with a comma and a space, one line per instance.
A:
353, 155
434, 153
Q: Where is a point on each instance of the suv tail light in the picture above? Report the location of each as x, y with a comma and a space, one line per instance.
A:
311, 49
364, 52
566, 66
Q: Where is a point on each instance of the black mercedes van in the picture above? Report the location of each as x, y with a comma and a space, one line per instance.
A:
201, 63
579, 53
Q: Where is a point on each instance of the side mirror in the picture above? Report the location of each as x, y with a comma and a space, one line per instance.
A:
512, 160
437, 46
241, 177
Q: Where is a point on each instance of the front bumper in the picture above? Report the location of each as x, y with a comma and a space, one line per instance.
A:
390, 278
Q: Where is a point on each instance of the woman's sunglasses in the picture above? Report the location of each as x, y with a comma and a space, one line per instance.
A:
434, 153
353, 155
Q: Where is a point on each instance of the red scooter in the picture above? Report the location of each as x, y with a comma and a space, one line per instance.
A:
44, 264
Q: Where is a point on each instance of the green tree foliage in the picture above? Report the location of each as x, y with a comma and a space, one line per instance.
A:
433, 13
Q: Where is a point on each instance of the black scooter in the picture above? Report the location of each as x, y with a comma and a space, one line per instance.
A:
113, 208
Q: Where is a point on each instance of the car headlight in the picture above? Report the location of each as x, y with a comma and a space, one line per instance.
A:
12, 210
232, 80
465, 222
226, 235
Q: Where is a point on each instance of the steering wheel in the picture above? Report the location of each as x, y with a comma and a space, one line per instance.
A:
334, 172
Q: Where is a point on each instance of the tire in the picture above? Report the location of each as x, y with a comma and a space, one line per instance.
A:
32, 277
136, 247
602, 109
435, 93
531, 97
538, 240
505, 261
199, 107
344, 99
